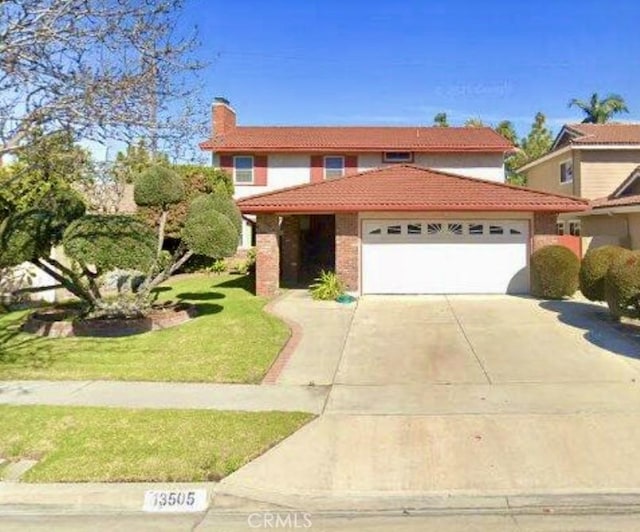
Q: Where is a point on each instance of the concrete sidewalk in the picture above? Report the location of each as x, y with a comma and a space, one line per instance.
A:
244, 397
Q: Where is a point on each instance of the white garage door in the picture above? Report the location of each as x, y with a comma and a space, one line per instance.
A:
445, 257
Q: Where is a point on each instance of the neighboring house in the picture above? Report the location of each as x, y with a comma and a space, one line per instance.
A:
588, 161
352, 204
615, 219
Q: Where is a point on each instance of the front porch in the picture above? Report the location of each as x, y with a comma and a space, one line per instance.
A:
292, 249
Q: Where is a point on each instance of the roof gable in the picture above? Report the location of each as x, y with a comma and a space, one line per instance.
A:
610, 133
566, 136
408, 188
359, 139
629, 185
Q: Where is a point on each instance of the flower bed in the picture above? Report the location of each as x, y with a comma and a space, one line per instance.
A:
63, 323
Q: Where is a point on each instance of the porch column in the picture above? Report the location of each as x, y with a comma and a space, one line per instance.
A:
267, 255
290, 249
347, 249
544, 230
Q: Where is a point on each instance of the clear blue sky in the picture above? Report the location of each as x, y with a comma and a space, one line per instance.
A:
399, 62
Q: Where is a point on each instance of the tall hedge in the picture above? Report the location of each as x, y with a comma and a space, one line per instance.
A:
554, 272
593, 269
622, 285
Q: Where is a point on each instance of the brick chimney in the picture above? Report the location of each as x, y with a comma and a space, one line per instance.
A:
223, 117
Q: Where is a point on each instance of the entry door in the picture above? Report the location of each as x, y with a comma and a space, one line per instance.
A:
445, 256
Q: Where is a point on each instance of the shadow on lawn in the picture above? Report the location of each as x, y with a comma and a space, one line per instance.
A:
200, 296
17, 348
245, 282
205, 309
600, 328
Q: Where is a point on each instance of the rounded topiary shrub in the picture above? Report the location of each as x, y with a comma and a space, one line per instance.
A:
111, 242
158, 186
622, 285
207, 231
594, 267
554, 272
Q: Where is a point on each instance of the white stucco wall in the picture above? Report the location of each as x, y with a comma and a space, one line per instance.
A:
481, 165
284, 170
32, 277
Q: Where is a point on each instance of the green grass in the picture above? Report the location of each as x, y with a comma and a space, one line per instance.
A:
82, 444
231, 340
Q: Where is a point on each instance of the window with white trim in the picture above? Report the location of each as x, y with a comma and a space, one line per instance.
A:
574, 227
397, 157
243, 169
566, 172
333, 166
560, 228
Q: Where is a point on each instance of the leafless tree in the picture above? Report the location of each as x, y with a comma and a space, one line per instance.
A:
104, 69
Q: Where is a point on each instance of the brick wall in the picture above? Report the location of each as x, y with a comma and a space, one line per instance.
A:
290, 249
347, 246
267, 255
544, 230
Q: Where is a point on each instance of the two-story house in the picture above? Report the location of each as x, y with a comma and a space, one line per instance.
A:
390, 209
589, 161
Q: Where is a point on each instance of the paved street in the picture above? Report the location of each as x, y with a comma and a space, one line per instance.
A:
339, 523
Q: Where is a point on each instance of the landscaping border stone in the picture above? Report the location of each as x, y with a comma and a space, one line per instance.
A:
161, 319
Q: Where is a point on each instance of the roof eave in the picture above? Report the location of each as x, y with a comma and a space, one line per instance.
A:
318, 209
352, 149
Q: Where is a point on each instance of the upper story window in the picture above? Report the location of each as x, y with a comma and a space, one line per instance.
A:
397, 157
243, 169
333, 166
566, 172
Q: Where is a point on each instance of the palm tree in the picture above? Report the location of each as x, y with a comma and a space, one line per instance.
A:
599, 111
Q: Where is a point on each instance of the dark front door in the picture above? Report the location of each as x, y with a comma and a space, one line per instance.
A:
318, 246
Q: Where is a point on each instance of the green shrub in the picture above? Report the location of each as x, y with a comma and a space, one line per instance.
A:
219, 266
249, 264
158, 187
197, 180
327, 286
594, 268
554, 272
622, 286
207, 231
110, 242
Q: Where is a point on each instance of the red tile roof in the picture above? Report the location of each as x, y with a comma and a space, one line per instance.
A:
359, 139
624, 201
606, 133
408, 188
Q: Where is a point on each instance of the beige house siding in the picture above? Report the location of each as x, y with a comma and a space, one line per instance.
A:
634, 230
602, 230
601, 171
545, 176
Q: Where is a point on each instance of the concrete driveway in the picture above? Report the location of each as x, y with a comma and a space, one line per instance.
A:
439, 397
475, 340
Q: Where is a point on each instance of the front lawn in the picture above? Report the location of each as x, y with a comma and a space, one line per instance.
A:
82, 444
231, 340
